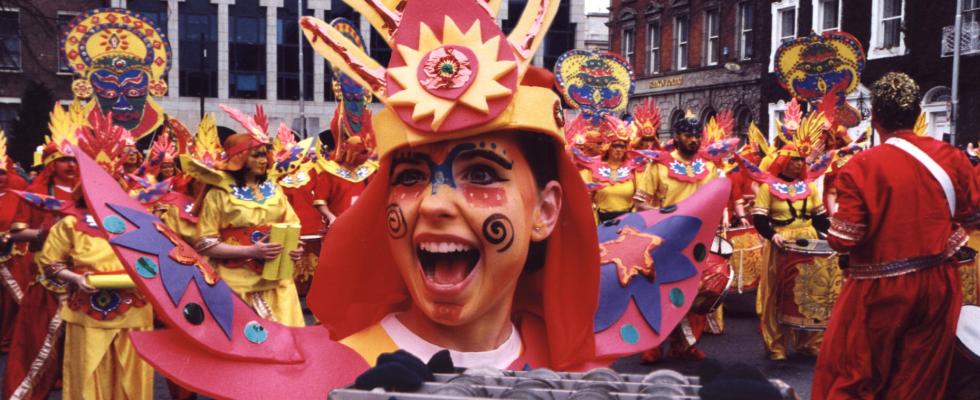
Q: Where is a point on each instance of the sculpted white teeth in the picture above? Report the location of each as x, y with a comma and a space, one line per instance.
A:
444, 247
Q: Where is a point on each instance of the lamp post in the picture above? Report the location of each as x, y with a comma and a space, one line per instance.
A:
302, 84
955, 92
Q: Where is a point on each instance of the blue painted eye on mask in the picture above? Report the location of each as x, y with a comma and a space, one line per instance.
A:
108, 85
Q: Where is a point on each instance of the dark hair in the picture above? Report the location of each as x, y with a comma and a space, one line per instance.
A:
895, 101
239, 177
541, 152
687, 125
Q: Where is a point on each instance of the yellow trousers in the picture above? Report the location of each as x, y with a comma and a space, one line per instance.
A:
103, 364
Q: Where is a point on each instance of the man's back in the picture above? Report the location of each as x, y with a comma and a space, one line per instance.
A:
893, 209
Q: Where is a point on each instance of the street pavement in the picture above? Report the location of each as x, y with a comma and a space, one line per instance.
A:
740, 342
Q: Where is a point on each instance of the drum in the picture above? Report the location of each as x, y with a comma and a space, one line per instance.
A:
748, 257
964, 377
808, 281
722, 247
716, 280
306, 266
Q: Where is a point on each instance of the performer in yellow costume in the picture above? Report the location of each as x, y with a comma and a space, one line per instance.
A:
100, 361
790, 207
662, 184
236, 215
613, 175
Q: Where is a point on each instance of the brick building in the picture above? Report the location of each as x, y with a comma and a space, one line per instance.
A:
911, 36
695, 55
30, 50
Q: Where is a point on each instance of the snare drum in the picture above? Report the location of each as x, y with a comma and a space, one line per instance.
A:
306, 266
748, 257
716, 280
808, 282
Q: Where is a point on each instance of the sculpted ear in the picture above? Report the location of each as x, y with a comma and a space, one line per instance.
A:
546, 211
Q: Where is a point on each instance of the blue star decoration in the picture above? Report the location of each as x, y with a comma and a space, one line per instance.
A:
176, 276
669, 262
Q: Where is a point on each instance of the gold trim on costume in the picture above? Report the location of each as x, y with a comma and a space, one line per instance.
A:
260, 306
55, 329
847, 230
11, 284
760, 211
205, 243
18, 226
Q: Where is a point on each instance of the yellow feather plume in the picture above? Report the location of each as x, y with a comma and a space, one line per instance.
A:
3, 150
920, 125
757, 138
207, 146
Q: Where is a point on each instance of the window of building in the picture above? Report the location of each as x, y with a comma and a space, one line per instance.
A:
10, 40
681, 36
712, 44
826, 15
887, 18
971, 11
287, 58
246, 50
653, 43
198, 49
64, 18
153, 10
784, 15
629, 45
745, 20
8, 115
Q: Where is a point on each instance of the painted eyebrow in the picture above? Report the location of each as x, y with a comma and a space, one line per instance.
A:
411, 159
488, 155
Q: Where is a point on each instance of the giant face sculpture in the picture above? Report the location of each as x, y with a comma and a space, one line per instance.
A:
121, 87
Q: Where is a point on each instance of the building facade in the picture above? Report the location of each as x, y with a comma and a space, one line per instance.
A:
699, 56
233, 52
911, 36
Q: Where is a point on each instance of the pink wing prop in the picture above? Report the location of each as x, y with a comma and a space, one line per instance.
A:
215, 343
719, 150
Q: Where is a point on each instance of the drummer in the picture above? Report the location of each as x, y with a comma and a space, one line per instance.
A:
783, 218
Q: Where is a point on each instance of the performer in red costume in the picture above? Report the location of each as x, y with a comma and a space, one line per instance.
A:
892, 330
34, 362
13, 278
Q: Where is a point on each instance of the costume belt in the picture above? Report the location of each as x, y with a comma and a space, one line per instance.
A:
907, 265
245, 236
106, 304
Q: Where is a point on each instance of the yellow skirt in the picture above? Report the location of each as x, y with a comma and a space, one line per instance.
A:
102, 364
273, 300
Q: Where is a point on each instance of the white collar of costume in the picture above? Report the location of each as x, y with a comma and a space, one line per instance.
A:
63, 188
501, 357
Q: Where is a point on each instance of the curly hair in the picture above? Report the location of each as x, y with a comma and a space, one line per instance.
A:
895, 101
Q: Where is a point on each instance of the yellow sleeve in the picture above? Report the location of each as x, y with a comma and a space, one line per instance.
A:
763, 200
646, 183
209, 222
58, 244
586, 175
816, 199
290, 215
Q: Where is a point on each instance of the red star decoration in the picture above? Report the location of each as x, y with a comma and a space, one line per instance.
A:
631, 254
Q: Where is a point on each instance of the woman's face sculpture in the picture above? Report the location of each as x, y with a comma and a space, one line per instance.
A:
461, 217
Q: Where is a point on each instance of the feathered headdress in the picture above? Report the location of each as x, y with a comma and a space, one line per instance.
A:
615, 129
808, 141
64, 126
646, 119
791, 120
290, 155
580, 131
920, 127
256, 126
207, 148
104, 142
163, 150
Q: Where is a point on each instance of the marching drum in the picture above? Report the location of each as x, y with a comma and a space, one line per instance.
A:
748, 257
808, 282
722, 247
716, 280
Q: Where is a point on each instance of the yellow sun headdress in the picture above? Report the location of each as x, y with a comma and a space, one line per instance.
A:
207, 147
104, 142
114, 44
807, 142
646, 119
452, 72
64, 125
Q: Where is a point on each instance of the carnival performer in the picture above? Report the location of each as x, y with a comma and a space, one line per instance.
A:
12, 276
612, 176
646, 124
789, 207
674, 177
34, 361
900, 303
298, 182
100, 361
236, 213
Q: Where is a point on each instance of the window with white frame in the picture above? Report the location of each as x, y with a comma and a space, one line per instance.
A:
784, 16
971, 11
653, 44
826, 15
681, 36
712, 44
10, 59
887, 19
629, 45
64, 18
744, 22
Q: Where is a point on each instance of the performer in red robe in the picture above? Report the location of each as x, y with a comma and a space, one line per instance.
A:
892, 330
34, 361
13, 279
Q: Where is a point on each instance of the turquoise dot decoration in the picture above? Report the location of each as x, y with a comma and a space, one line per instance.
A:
676, 297
255, 332
146, 267
114, 224
629, 334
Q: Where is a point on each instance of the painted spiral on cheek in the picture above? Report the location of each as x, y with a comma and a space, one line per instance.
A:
498, 229
396, 222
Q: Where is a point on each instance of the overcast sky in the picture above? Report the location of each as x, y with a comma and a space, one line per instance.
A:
596, 5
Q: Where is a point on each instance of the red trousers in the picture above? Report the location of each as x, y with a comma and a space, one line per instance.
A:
891, 338
35, 343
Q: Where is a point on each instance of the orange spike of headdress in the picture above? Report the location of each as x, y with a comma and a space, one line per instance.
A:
808, 141
104, 142
726, 121
646, 118
615, 129
207, 148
